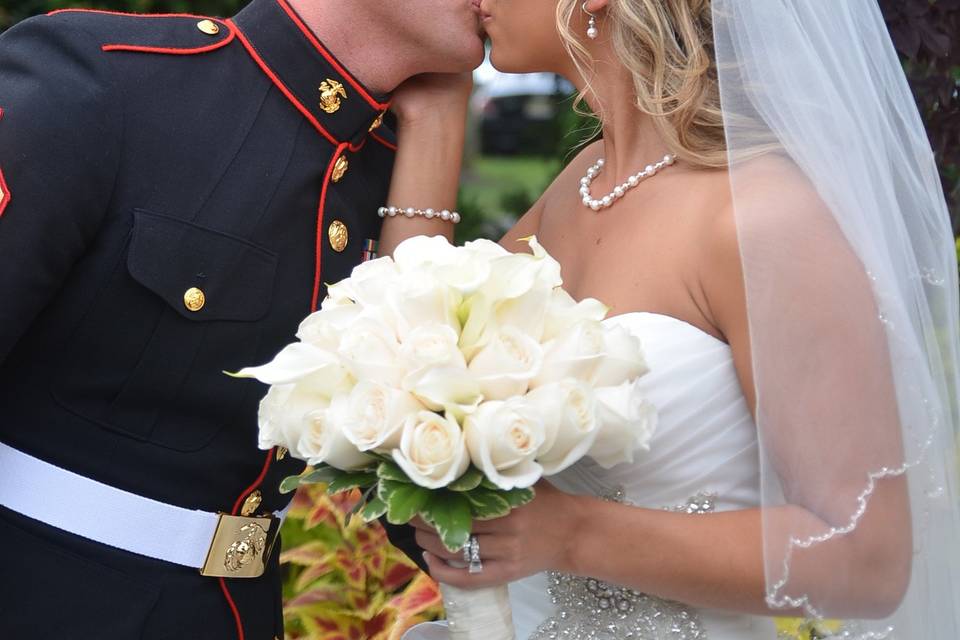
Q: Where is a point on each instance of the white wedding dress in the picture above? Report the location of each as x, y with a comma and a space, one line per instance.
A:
703, 457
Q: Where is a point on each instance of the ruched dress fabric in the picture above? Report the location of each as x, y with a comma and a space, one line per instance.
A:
703, 457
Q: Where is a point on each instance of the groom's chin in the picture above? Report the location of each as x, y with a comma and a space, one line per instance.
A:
470, 54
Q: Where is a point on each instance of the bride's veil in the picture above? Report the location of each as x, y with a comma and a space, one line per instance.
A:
852, 297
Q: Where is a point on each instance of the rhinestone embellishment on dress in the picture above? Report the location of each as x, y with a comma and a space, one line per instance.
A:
589, 609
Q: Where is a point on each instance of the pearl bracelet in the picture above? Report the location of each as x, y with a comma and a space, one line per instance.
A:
409, 212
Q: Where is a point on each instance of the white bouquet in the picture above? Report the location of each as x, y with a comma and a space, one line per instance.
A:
445, 382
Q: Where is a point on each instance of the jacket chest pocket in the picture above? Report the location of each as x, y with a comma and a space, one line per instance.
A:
186, 304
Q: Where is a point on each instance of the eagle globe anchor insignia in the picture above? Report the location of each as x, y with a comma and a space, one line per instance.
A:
244, 551
331, 92
241, 546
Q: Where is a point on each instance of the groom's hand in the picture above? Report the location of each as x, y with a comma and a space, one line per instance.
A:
431, 95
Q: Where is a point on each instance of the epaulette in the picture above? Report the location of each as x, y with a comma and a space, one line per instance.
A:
170, 33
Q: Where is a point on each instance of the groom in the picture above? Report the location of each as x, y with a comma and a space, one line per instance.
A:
174, 193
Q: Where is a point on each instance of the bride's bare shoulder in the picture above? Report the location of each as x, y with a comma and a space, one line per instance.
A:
529, 224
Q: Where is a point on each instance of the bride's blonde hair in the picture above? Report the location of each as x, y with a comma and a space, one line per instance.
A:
667, 45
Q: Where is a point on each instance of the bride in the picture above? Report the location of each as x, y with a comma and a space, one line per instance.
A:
763, 211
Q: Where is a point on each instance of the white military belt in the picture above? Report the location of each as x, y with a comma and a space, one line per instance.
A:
218, 544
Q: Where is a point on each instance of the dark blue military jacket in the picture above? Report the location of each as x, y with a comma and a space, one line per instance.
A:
175, 193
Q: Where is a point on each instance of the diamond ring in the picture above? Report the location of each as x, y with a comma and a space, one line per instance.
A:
475, 565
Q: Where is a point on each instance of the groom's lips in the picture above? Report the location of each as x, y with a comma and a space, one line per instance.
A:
478, 7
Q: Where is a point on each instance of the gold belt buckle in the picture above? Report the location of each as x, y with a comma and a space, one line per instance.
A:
241, 546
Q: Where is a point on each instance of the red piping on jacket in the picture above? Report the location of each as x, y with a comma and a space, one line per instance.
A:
128, 13
270, 74
326, 54
323, 203
5, 197
236, 507
354, 148
145, 49
233, 609
388, 145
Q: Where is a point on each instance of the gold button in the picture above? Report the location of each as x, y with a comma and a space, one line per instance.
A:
340, 168
251, 504
209, 27
339, 236
194, 299
377, 122
331, 92
281, 453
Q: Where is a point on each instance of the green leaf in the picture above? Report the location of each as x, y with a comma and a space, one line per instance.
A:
487, 505
471, 479
519, 497
289, 484
321, 475
349, 481
386, 487
486, 483
373, 509
449, 512
391, 471
404, 501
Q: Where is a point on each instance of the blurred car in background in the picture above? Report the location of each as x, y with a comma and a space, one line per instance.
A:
517, 113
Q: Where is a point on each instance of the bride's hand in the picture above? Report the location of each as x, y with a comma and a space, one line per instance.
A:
431, 95
534, 538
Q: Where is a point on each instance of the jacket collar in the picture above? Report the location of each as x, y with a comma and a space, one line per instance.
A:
319, 86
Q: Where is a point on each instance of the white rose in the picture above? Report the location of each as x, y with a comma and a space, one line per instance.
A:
575, 353
272, 417
375, 416
563, 312
622, 360
431, 345
503, 439
282, 411
371, 352
457, 267
570, 421
324, 329
433, 452
627, 423
324, 442
367, 285
507, 364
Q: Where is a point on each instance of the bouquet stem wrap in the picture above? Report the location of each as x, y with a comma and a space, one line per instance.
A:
478, 614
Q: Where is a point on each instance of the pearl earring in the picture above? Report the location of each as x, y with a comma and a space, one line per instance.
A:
592, 31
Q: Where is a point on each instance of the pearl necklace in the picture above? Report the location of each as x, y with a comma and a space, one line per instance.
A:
620, 190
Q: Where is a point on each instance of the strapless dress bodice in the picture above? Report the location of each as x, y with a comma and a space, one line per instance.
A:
703, 457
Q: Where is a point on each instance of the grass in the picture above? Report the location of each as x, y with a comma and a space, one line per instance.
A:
497, 185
